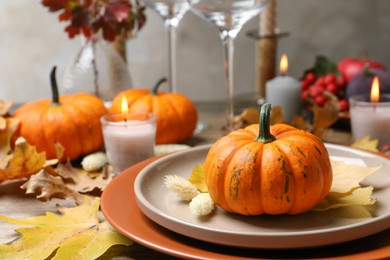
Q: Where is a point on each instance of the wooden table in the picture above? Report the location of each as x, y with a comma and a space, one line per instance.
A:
15, 204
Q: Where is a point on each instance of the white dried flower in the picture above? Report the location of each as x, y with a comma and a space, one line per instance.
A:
181, 187
94, 161
202, 205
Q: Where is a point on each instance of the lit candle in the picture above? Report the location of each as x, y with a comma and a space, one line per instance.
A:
370, 115
129, 137
284, 91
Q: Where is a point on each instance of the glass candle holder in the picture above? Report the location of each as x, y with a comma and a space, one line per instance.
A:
128, 138
370, 118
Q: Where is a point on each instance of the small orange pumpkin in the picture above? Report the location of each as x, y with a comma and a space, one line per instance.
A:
176, 114
71, 120
268, 169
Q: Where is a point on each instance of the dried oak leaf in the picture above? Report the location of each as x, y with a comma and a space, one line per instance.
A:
46, 187
79, 180
75, 233
25, 161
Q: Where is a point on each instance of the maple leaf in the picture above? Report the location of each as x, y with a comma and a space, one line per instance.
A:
75, 233
25, 161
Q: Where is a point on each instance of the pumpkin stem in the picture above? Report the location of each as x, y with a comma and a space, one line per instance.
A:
265, 135
158, 84
54, 86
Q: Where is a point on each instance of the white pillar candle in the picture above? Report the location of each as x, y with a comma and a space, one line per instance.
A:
284, 91
130, 139
370, 115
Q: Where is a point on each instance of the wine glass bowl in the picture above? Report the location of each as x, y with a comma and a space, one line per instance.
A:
228, 16
169, 9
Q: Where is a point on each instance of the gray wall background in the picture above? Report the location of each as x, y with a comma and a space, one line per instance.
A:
32, 41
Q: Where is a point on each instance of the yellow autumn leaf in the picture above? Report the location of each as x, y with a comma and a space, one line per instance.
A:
26, 161
366, 143
77, 233
358, 196
348, 176
197, 178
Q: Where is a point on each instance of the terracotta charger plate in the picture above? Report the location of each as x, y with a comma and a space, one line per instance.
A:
119, 206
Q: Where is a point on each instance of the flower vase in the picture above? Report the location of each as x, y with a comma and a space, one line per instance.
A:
97, 69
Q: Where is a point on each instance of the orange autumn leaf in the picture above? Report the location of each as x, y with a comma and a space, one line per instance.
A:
247, 117
26, 161
299, 122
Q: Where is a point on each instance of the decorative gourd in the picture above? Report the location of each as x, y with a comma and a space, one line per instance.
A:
273, 170
361, 83
176, 114
71, 120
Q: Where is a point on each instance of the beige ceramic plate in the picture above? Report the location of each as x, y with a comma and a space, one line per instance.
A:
306, 230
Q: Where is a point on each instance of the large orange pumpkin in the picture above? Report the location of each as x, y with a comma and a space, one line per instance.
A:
176, 114
268, 169
71, 120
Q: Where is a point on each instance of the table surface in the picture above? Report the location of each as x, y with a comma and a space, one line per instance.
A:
15, 204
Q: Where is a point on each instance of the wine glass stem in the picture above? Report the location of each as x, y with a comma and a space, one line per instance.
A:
171, 25
228, 52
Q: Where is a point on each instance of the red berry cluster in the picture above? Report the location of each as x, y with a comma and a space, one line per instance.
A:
314, 89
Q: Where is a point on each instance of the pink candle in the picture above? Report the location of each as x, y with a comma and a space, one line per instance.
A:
128, 138
370, 115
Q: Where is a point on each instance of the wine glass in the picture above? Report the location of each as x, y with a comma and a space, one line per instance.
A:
172, 11
228, 16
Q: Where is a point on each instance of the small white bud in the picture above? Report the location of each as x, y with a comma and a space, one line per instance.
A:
202, 205
182, 187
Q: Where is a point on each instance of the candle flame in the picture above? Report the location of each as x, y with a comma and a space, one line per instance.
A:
283, 64
125, 107
374, 97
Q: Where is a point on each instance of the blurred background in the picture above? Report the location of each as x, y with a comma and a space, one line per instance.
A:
32, 41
